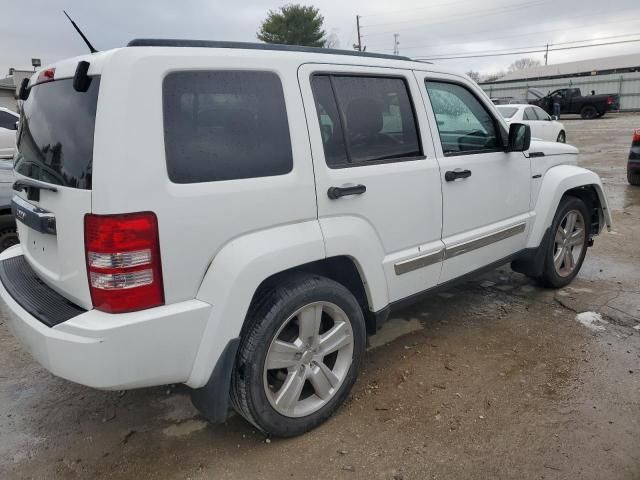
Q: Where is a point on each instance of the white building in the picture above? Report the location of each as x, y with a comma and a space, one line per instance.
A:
619, 74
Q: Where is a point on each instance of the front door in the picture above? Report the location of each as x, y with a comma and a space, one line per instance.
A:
485, 190
377, 177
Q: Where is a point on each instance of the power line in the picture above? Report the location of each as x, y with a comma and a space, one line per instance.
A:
527, 51
453, 18
564, 29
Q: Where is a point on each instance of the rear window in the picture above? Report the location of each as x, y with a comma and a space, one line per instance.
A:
507, 112
225, 125
55, 140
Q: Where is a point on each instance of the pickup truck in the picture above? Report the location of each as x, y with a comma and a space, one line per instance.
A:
571, 100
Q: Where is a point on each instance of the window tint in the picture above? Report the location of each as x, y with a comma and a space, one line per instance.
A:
529, 114
7, 121
464, 123
55, 141
373, 114
224, 126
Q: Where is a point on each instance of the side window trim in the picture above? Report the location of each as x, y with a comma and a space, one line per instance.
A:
350, 164
502, 135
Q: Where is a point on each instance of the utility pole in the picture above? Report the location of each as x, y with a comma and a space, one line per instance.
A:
396, 44
546, 55
358, 46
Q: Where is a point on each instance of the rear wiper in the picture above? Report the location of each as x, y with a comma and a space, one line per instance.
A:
25, 184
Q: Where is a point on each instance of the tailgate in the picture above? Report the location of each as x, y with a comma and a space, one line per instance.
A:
53, 169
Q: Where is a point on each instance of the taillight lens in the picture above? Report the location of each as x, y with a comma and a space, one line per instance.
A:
636, 135
609, 100
123, 261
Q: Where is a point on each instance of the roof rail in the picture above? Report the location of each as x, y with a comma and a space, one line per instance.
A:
169, 42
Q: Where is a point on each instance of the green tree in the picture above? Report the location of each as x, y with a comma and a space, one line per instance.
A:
294, 25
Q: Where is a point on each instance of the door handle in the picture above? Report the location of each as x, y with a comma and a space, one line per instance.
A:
453, 175
336, 192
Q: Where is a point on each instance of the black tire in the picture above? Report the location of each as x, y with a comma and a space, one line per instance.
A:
633, 176
562, 137
8, 232
550, 277
265, 317
588, 112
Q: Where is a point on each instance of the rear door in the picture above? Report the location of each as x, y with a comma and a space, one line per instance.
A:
53, 169
377, 178
7, 134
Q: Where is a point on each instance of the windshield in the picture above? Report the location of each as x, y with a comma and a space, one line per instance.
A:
55, 140
507, 112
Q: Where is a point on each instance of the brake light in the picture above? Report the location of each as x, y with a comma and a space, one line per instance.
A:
123, 261
609, 100
46, 75
636, 135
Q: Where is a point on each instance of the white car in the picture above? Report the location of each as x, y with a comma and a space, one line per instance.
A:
8, 121
264, 208
543, 126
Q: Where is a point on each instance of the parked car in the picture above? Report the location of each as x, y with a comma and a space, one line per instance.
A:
571, 100
543, 127
8, 127
633, 164
264, 209
8, 232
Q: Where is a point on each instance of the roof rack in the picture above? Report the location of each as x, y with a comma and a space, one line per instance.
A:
169, 42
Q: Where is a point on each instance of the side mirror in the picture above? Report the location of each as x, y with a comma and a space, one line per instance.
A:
519, 137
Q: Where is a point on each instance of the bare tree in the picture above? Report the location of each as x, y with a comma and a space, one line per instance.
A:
523, 63
475, 76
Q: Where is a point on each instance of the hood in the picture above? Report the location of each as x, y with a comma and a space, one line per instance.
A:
540, 148
536, 93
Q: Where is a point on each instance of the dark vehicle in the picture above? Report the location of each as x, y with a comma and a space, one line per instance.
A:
8, 232
571, 100
633, 164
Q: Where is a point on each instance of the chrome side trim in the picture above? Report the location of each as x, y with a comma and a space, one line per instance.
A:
484, 241
416, 263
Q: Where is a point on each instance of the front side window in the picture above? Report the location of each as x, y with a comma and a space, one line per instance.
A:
541, 114
365, 119
529, 114
464, 124
225, 125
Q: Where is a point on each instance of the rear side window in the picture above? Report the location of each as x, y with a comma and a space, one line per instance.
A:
55, 138
365, 119
7, 121
225, 125
529, 114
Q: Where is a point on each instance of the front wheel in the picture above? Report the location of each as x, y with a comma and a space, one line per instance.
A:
300, 355
568, 243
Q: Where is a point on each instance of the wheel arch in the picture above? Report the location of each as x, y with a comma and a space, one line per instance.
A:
565, 180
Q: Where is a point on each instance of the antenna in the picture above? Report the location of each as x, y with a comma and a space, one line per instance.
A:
86, 40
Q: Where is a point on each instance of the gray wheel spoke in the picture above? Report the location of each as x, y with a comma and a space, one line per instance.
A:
290, 392
560, 235
335, 339
324, 381
558, 258
283, 355
568, 259
309, 320
571, 222
577, 237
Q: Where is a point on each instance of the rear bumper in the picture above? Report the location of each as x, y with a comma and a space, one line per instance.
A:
139, 349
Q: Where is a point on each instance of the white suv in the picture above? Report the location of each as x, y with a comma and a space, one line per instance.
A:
238, 217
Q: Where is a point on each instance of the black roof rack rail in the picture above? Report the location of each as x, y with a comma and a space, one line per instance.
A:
170, 42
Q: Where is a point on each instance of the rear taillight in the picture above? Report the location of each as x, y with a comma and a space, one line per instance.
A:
609, 100
123, 261
636, 135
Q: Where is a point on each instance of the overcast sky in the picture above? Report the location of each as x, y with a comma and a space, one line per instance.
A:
37, 28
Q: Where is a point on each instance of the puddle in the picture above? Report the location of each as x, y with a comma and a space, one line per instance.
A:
392, 329
185, 428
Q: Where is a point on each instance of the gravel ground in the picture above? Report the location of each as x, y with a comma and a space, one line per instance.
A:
494, 379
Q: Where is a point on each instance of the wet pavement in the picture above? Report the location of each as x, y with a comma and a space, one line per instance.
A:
495, 378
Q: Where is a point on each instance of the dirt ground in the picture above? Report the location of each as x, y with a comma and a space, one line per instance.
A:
493, 379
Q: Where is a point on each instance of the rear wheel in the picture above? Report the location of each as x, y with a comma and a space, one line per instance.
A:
568, 243
300, 355
633, 176
588, 112
562, 137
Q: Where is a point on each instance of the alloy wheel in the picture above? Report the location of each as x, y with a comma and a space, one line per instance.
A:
308, 359
568, 243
